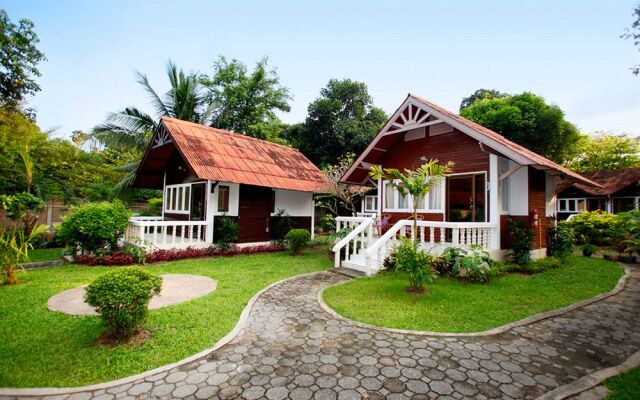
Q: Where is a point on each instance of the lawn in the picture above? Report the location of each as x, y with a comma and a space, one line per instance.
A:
625, 386
458, 306
42, 348
37, 255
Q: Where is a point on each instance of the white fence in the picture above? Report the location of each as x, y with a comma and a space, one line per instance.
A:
154, 232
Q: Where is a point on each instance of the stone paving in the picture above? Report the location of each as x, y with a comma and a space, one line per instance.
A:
291, 349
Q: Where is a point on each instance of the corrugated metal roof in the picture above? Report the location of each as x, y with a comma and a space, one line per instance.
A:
221, 155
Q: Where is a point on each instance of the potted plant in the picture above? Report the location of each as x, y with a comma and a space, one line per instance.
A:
588, 250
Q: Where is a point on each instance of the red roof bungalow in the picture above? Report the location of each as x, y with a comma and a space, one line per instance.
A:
494, 179
206, 173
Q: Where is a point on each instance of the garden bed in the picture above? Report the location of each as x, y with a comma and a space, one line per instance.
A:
44, 348
453, 305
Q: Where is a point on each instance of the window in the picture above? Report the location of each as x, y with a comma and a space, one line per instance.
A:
503, 167
403, 202
370, 203
395, 201
223, 198
178, 199
389, 196
622, 204
435, 197
572, 205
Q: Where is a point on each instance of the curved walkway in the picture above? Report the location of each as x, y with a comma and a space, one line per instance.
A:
290, 348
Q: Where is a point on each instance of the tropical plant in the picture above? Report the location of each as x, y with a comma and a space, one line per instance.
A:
281, 224
597, 227
96, 226
137, 249
416, 184
589, 249
631, 223
227, 232
328, 223
297, 240
521, 239
121, 298
473, 264
22, 207
14, 247
560, 240
416, 263
339, 194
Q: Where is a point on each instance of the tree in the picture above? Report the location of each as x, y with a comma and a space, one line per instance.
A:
19, 59
529, 121
22, 207
417, 183
605, 151
633, 33
481, 94
339, 193
246, 102
341, 121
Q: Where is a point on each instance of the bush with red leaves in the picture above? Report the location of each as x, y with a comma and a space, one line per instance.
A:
160, 255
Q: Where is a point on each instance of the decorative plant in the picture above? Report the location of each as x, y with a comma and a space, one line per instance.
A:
96, 227
414, 183
328, 223
589, 249
631, 224
473, 264
297, 239
121, 298
521, 239
22, 207
227, 232
155, 205
281, 224
560, 239
597, 227
137, 250
14, 247
416, 263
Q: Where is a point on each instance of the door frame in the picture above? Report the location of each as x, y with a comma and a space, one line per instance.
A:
484, 190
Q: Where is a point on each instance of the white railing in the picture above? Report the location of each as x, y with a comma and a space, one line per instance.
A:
431, 235
166, 234
349, 222
355, 242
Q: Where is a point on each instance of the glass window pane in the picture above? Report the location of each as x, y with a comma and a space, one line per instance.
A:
435, 197
180, 199
403, 202
422, 203
187, 198
572, 205
389, 196
504, 194
173, 199
580, 204
223, 198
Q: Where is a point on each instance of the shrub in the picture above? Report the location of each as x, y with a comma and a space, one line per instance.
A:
541, 265
137, 250
521, 238
227, 232
281, 224
416, 263
328, 223
588, 249
96, 226
121, 298
14, 246
474, 264
597, 227
297, 239
20, 207
155, 206
560, 240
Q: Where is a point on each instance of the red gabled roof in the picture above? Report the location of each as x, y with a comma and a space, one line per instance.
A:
611, 181
220, 155
487, 136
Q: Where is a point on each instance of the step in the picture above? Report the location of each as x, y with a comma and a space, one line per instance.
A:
351, 273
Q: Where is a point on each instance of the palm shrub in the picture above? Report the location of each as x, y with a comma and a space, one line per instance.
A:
560, 240
15, 246
416, 263
521, 238
121, 297
96, 227
297, 239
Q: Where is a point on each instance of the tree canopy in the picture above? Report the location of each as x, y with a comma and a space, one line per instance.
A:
481, 94
246, 102
633, 33
341, 121
19, 59
529, 121
605, 151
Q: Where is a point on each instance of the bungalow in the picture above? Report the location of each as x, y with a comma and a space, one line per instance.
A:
207, 173
494, 180
619, 191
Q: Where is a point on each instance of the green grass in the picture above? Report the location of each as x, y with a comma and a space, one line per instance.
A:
625, 386
44, 348
458, 306
37, 255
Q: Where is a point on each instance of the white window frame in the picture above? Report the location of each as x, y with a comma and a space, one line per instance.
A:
427, 206
571, 200
636, 201
182, 196
374, 200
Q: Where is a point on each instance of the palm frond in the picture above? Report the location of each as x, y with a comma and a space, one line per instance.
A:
157, 102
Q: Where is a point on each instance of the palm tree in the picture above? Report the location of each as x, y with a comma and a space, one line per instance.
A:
132, 128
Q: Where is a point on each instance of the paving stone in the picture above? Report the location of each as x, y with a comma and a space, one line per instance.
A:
441, 387
206, 392
301, 394
163, 389
253, 393
277, 393
140, 388
176, 377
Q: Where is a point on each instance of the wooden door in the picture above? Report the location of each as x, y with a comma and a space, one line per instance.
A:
254, 213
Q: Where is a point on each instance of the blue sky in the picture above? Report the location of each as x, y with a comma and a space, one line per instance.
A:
569, 52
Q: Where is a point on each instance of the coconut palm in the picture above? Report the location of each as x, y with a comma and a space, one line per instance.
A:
132, 128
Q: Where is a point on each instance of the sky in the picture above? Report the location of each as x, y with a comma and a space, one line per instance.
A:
569, 52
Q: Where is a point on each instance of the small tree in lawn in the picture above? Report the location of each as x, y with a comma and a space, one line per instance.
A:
338, 192
416, 183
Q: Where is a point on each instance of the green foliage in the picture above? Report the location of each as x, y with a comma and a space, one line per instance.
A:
589, 249
627, 385
341, 121
633, 33
96, 226
227, 232
246, 102
297, 240
281, 224
137, 250
416, 263
521, 237
98, 191
604, 152
597, 227
474, 264
339, 194
560, 239
534, 267
19, 206
527, 120
631, 224
328, 223
19, 59
481, 94
155, 206
14, 248
121, 298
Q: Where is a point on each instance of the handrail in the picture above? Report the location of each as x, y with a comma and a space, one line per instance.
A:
358, 230
391, 232
146, 218
167, 223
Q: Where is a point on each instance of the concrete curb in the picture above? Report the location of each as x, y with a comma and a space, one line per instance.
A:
41, 264
592, 380
494, 331
105, 385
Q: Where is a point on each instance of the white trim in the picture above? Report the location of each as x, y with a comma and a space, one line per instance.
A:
494, 209
427, 201
183, 203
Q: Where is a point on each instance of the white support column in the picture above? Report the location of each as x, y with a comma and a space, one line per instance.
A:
494, 209
380, 197
313, 217
164, 193
209, 214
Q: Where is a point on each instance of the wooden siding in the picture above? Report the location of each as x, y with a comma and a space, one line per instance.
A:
254, 213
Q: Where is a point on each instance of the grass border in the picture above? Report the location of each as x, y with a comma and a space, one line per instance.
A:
493, 331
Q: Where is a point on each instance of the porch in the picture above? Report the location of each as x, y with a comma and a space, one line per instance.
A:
154, 232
